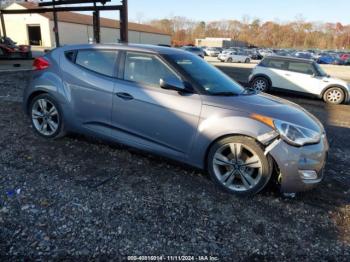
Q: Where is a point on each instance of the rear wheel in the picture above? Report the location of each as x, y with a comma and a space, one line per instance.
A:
46, 117
260, 84
334, 95
238, 165
247, 60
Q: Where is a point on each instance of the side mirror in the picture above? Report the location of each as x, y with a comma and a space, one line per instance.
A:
172, 83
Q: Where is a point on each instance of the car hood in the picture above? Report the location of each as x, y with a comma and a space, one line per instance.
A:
266, 105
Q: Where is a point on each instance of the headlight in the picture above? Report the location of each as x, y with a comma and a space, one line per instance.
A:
296, 135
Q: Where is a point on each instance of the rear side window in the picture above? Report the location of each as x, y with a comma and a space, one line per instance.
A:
304, 68
99, 61
146, 69
277, 64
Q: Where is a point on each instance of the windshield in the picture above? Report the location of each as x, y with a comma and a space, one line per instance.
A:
211, 79
320, 70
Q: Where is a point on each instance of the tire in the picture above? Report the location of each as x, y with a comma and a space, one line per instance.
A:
230, 60
46, 117
244, 172
334, 95
247, 60
260, 84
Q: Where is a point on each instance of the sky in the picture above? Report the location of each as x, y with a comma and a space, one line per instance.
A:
266, 10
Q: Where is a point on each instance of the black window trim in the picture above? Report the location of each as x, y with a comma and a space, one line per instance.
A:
301, 62
266, 63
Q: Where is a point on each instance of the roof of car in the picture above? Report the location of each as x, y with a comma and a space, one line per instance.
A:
131, 47
288, 58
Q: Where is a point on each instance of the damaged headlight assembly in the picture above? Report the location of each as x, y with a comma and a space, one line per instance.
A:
296, 135
291, 133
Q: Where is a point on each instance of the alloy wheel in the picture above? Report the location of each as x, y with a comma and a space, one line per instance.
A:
260, 85
237, 167
45, 117
334, 96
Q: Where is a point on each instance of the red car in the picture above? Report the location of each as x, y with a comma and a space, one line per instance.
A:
10, 49
345, 57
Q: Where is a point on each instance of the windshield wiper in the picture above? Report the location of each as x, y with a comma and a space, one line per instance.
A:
224, 94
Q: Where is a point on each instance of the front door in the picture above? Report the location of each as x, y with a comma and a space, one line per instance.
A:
147, 116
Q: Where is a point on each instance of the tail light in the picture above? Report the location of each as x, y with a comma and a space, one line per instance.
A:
40, 63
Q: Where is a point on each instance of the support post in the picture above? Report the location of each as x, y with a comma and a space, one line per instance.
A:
3, 27
124, 37
57, 38
96, 25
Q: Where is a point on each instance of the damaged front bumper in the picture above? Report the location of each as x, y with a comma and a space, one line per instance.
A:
301, 168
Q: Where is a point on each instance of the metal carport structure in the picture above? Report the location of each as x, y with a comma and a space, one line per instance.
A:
55, 6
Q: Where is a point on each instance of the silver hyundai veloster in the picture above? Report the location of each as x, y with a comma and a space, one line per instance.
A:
173, 103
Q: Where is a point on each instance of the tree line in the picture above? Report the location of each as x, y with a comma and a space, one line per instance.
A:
297, 34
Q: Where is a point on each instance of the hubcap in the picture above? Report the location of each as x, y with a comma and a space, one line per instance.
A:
237, 167
260, 85
45, 117
334, 96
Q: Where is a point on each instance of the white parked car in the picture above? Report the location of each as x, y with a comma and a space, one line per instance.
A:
299, 76
234, 57
212, 51
266, 52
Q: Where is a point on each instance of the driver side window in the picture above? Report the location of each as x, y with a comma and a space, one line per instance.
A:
146, 69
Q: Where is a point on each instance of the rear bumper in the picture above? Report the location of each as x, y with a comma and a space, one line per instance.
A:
296, 163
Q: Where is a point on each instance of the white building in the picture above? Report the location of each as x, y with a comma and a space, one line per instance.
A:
73, 28
5, 3
219, 42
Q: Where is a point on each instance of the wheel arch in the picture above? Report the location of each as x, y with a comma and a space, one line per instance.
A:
31, 97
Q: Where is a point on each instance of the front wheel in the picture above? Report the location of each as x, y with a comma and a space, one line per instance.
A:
230, 60
334, 95
238, 165
46, 117
247, 60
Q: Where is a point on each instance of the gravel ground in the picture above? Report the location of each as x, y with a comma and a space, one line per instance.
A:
79, 198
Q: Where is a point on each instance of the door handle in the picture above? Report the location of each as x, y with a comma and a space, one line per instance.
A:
125, 96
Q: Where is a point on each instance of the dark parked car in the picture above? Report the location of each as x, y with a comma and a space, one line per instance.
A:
10, 49
175, 104
304, 55
330, 59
